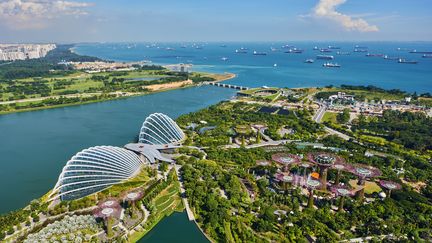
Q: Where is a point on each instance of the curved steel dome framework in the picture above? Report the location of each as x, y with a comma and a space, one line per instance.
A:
159, 129
93, 170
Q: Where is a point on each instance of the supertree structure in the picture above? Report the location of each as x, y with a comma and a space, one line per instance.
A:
311, 185
131, 197
324, 161
364, 172
284, 178
108, 210
286, 160
341, 192
340, 166
390, 186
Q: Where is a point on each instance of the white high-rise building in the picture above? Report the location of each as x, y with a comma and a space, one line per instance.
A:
12, 52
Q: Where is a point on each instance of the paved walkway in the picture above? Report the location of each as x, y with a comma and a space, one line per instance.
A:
189, 212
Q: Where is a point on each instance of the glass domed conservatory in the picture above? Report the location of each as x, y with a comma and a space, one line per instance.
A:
93, 170
159, 129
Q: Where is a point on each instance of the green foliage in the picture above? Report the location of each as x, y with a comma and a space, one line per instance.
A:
227, 118
344, 116
13, 218
412, 130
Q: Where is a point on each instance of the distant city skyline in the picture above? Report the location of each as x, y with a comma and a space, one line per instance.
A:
29, 21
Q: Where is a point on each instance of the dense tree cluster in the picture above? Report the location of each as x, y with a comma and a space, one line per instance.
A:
413, 130
225, 118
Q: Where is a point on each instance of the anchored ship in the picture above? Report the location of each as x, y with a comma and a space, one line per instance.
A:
331, 65
256, 53
401, 60
325, 57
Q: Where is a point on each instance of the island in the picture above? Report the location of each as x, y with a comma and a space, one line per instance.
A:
271, 164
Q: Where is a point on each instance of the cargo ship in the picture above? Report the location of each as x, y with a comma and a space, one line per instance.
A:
287, 46
325, 57
256, 53
360, 50
374, 55
241, 51
391, 58
421, 52
404, 61
294, 50
427, 56
325, 50
342, 53
331, 65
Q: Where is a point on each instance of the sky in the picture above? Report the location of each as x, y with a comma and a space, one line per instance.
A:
70, 21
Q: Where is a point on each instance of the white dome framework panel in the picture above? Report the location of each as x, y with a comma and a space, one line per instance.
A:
93, 170
159, 129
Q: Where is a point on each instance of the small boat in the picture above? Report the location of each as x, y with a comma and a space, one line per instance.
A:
223, 46
275, 65
309, 61
224, 58
334, 47
401, 60
273, 49
325, 57
243, 48
315, 48
427, 56
256, 53
331, 65
360, 47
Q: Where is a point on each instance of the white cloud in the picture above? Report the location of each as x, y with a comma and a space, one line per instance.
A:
327, 9
30, 14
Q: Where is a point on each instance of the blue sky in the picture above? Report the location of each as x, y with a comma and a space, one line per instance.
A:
221, 20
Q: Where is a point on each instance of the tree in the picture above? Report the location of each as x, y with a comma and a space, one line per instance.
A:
163, 166
344, 116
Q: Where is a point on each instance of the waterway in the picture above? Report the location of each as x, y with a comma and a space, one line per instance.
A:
175, 228
34, 146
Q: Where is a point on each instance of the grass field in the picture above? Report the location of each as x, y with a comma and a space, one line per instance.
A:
369, 95
370, 187
330, 117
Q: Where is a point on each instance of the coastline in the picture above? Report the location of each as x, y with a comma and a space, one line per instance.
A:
230, 76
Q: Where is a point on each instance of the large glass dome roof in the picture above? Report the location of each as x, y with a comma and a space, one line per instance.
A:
159, 129
93, 170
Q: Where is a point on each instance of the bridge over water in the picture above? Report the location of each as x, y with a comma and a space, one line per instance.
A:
230, 86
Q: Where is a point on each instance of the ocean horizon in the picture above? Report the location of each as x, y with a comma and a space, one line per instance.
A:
281, 69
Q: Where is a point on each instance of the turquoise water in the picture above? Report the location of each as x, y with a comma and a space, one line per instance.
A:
175, 228
34, 146
291, 71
